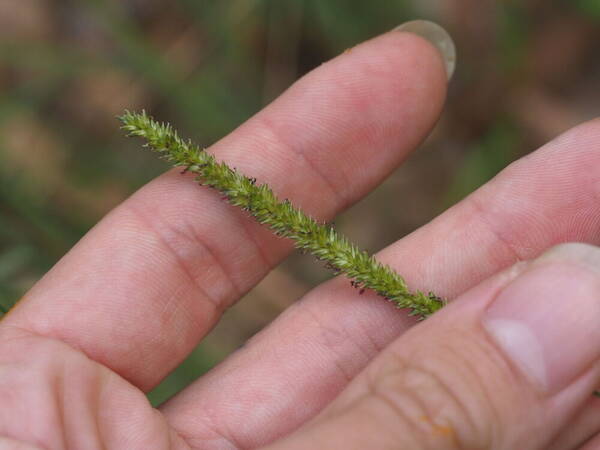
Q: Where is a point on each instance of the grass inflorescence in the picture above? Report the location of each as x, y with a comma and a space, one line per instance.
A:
322, 240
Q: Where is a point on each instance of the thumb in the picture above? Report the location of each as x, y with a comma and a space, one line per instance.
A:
506, 366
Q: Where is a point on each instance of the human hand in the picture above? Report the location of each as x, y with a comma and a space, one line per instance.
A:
138, 293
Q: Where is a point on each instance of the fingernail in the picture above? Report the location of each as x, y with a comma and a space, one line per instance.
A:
438, 36
547, 320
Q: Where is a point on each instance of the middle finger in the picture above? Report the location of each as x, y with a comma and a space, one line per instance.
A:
148, 282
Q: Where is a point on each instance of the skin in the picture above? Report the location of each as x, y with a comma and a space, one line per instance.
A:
143, 287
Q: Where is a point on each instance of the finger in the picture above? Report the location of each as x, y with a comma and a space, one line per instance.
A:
581, 429
504, 367
592, 444
304, 359
140, 290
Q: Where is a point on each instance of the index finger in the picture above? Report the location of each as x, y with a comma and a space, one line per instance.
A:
142, 288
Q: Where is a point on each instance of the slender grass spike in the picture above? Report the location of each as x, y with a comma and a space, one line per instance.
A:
322, 240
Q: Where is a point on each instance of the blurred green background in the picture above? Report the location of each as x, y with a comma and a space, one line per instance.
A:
527, 71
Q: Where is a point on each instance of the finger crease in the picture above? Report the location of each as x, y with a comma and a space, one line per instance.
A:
182, 264
262, 255
214, 255
282, 142
347, 373
499, 237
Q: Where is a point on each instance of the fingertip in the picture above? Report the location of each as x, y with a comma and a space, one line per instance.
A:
404, 81
420, 70
438, 37
544, 319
